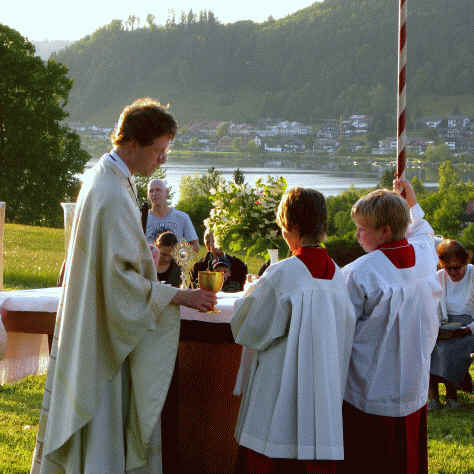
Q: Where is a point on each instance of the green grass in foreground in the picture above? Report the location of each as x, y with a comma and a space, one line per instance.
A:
19, 417
450, 432
33, 256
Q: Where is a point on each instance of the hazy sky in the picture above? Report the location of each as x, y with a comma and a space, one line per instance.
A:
72, 20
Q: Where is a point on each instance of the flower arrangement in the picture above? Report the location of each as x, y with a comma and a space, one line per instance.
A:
243, 217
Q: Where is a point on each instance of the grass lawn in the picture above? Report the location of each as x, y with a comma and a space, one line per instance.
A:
33, 256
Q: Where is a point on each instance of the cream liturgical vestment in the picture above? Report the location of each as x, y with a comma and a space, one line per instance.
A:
301, 330
115, 342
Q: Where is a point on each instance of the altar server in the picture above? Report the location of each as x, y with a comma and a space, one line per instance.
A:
117, 328
299, 321
395, 292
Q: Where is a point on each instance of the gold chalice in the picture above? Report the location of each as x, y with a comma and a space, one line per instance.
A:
211, 281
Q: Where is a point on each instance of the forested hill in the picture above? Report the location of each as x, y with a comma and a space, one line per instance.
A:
332, 58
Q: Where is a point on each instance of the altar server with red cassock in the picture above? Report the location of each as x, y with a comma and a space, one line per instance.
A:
395, 292
299, 321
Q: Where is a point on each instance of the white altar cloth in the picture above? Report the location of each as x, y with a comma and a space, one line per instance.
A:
41, 299
28, 354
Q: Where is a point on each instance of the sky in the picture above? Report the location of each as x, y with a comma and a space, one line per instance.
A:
40, 20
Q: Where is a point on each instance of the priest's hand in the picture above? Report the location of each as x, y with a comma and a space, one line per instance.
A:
202, 300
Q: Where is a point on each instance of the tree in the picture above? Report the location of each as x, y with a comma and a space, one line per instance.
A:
446, 209
438, 153
194, 197
431, 134
194, 143
448, 176
417, 185
467, 236
252, 147
191, 17
39, 156
238, 176
211, 18
386, 180
171, 19
150, 19
222, 130
237, 144
131, 20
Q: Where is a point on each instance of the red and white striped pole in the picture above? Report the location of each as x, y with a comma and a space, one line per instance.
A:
402, 82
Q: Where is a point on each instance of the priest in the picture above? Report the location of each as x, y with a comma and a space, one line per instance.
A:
117, 328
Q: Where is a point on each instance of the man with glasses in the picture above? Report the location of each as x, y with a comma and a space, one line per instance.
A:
117, 327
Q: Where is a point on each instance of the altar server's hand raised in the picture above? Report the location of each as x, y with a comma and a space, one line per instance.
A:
202, 300
403, 185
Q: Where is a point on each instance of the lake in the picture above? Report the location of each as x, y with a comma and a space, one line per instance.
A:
328, 183
330, 177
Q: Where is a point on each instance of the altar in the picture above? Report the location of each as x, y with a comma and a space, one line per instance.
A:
200, 411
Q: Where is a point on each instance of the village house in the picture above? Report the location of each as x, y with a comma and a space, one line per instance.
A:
275, 148
386, 146
329, 129
238, 129
355, 146
286, 128
224, 144
418, 145
294, 145
328, 145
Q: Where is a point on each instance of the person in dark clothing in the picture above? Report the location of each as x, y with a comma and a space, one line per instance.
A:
263, 268
168, 271
238, 269
222, 264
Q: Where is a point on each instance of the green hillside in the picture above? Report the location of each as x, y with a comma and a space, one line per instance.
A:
332, 58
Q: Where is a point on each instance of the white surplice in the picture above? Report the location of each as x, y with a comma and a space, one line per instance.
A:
397, 326
115, 342
301, 329
457, 297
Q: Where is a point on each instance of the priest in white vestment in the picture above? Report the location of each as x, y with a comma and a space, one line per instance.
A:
117, 328
299, 321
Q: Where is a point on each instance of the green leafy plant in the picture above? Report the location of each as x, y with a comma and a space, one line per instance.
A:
243, 217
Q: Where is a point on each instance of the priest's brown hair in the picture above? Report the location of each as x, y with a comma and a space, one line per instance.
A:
304, 210
144, 120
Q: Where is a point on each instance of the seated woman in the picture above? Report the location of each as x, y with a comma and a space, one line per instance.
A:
168, 271
450, 359
297, 324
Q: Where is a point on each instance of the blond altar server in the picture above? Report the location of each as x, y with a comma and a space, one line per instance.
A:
117, 328
299, 321
395, 292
